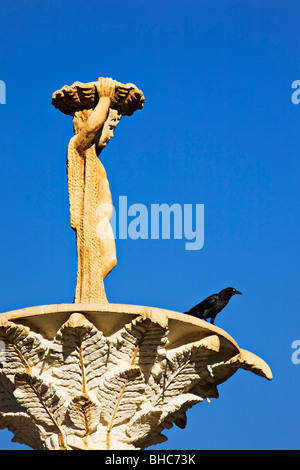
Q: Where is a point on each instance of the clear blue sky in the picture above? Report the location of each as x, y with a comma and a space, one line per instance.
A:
218, 128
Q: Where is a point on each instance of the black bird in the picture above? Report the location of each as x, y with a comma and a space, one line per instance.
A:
212, 305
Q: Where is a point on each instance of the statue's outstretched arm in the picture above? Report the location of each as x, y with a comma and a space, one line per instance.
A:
87, 135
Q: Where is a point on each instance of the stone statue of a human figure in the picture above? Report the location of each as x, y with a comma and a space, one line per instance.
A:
89, 193
97, 108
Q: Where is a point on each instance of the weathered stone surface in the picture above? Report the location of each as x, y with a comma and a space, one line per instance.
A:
109, 376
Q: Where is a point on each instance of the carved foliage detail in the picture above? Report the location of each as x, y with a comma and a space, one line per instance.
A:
85, 390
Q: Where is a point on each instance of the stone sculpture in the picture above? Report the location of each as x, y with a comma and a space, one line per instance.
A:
109, 377
89, 194
95, 375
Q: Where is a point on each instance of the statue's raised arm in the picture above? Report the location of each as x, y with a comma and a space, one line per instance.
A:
94, 123
97, 108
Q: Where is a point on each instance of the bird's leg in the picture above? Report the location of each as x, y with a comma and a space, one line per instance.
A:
212, 321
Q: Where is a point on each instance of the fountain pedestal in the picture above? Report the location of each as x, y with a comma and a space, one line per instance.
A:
109, 376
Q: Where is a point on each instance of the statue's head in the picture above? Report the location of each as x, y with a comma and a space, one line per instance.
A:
107, 130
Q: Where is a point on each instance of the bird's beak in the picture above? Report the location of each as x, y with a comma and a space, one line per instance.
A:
238, 292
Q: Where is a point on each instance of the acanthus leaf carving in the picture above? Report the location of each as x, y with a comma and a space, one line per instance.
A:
185, 366
122, 393
23, 348
84, 414
77, 356
41, 400
83, 389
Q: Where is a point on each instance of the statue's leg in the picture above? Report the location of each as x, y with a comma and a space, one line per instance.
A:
90, 285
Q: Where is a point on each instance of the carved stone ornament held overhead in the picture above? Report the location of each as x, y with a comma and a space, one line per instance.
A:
94, 375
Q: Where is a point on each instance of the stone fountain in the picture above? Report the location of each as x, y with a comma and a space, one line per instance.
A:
96, 375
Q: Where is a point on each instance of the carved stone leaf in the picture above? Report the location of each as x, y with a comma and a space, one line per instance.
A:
221, 371
185, 367
8, 402
139, 341
176, 407
150, 421
23, 347
122, 392
144, 423
197, 351
84, 413
152, 348
41, 400
14, 417
79, 352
